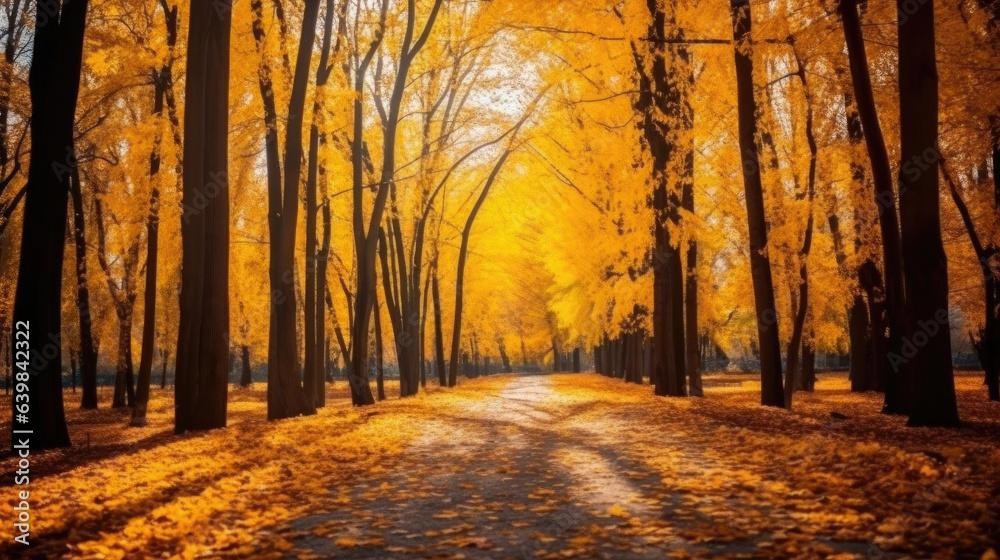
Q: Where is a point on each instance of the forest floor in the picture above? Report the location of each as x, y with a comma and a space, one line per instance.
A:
521, 467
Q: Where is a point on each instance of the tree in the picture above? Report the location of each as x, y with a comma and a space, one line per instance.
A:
664, 112
54, 81
988, 344
317, 256
367, 232
286, 397
925, 266
202, 343
897, 389
162, 83
796, 349
456, 333
123, 294
760, 265
88, 351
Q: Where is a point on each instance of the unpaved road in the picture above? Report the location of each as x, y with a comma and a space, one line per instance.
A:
517, 475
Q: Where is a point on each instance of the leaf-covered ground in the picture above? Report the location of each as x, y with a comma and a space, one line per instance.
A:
563, 466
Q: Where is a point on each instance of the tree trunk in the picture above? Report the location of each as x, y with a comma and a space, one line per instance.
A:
379, 356
990, 338
315, 295
864, 349
201, 373
161, 83
309, 378
72, 369
149, 315
163, 373
88, 355
504, 358
808, 368
423, 332
760, 264
366, 232
438, 332
860, 369
321, 289
285, 395
556, 366
456, 336
53, 82
124, 370
692, 361
987, 341
329, 365
897, 394
395, 284
871, 283
794, 376
246, 378
925, 266
661, 94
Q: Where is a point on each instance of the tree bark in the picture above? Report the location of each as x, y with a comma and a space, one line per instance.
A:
423, 332
245, 376
693, 361
438, 332
123, 297
760, 264
163, 372
987, 341
285, 395
201, 373
162, 80
379, 355
794, 376
660, 94
456, 336
897, 389
88, 354
808, 367
860, 369
925, 266
314, 387
124, 389
366, 232
321, 269
866, 331
504, 358
54, 82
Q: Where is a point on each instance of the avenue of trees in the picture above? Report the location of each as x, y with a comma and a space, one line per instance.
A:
444, 185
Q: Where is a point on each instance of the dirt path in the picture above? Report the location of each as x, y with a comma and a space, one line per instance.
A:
517, 475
